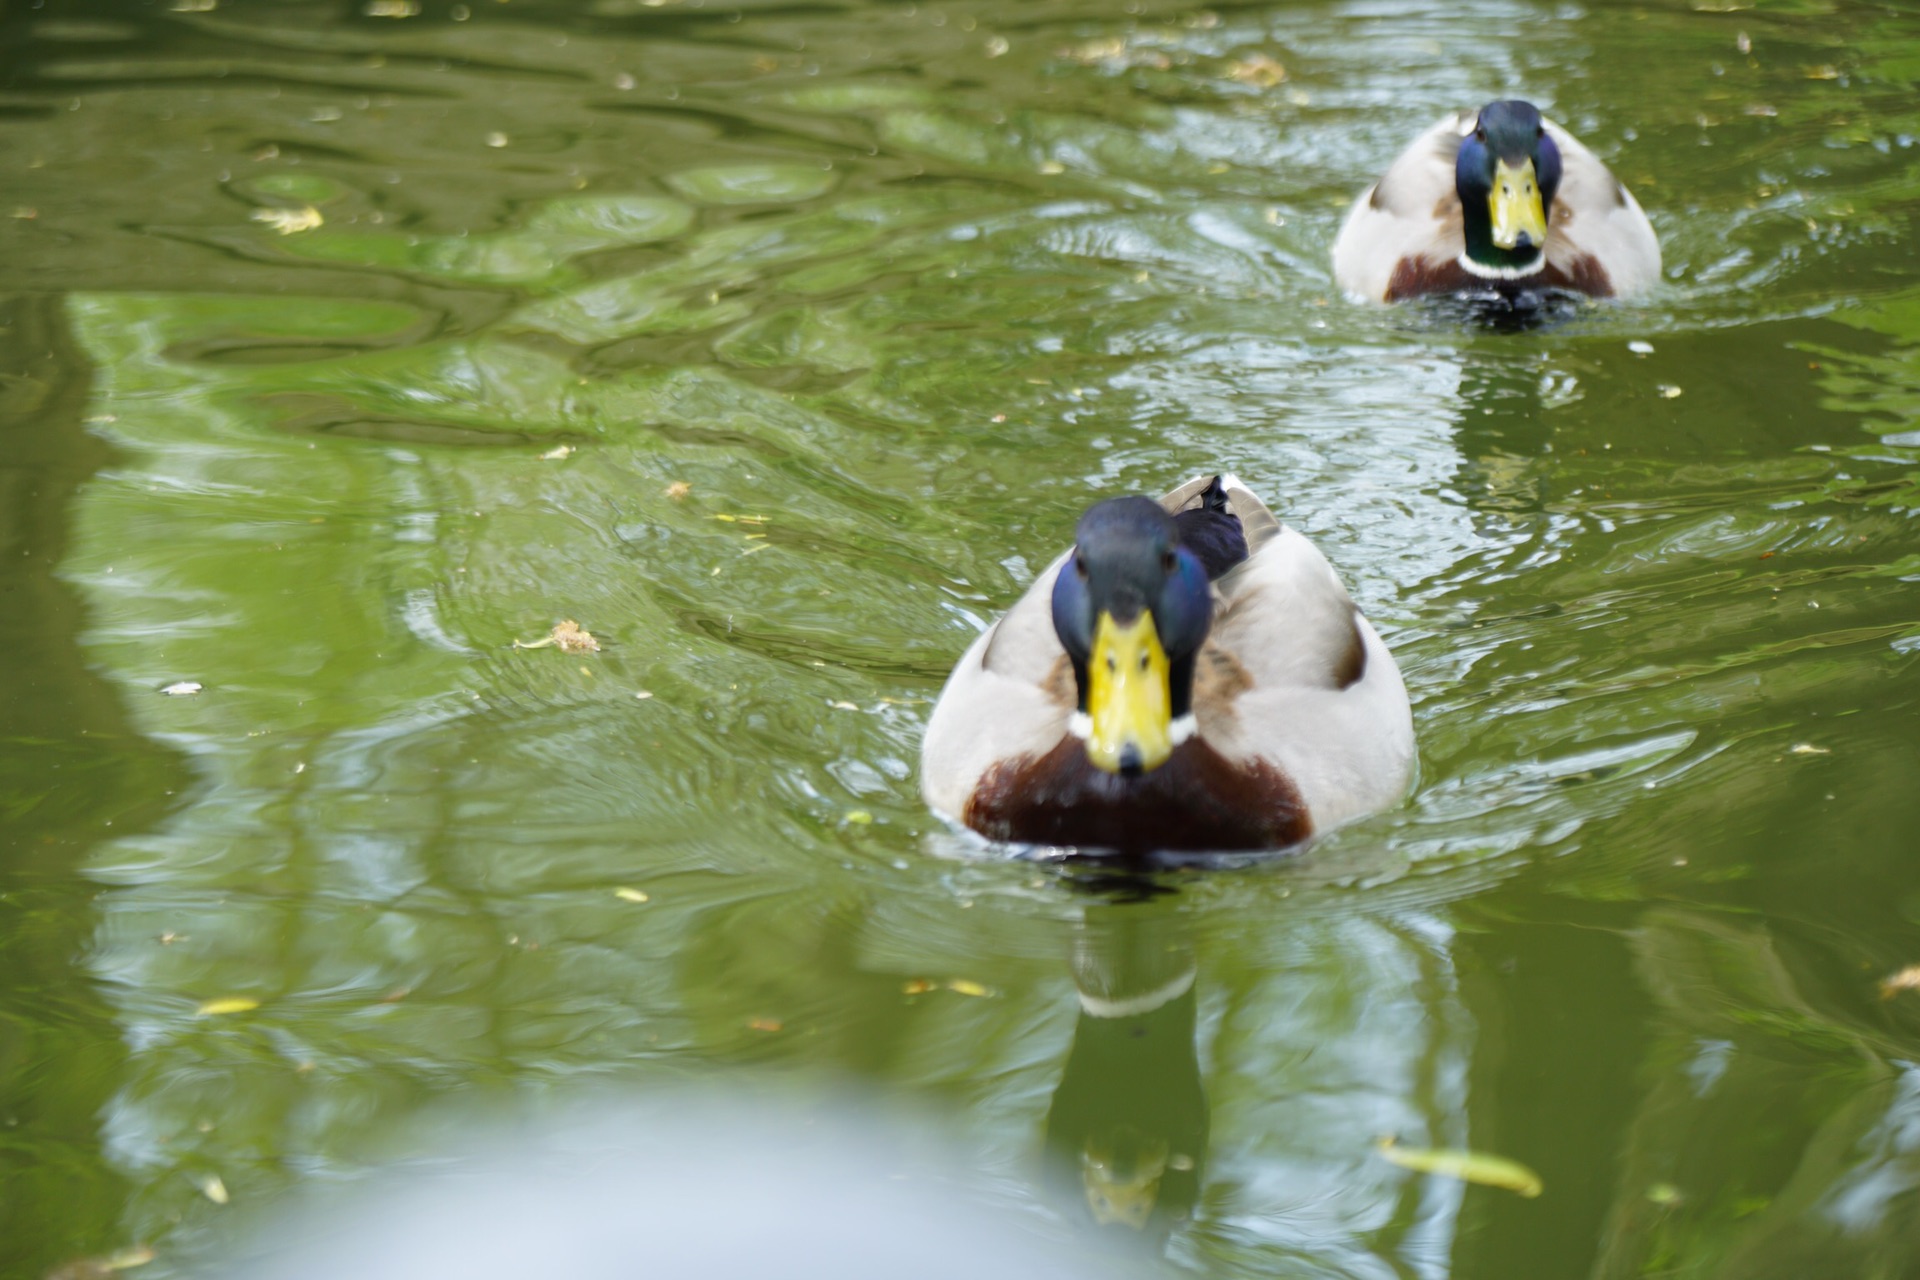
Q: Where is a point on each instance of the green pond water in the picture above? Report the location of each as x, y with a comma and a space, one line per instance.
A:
779, 345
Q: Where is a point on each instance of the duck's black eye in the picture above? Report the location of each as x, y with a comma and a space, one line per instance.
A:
1166, 562
1480, 133
1079, 565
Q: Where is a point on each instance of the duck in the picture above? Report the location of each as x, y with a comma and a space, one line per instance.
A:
1191, 676
1499, 202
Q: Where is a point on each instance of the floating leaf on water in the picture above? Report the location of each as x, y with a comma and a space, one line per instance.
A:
1668, 391
643, 694
1808, 749
1640, 348
226, 1004
1099, 50
1907, 979
859, 817
567, 636
916, 987
138, 1255
764, 1024
678, 490
1468, 1166
1257, 69
631, 895
213, 1189
844, 706
290, 221
968, 987
556, 453
182, 688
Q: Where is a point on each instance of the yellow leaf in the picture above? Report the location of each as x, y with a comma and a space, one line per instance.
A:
1468, 1166
226, 1004
138, 1255
290, 221
916, 987
1907, 979
567, 636
1257, 69
630, 895
966, 987
213, 1189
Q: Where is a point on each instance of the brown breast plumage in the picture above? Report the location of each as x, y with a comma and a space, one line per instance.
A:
1197, 801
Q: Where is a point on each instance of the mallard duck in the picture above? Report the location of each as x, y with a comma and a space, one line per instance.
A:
1498, 201
1190, 676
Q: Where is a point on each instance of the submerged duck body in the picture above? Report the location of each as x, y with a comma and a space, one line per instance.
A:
1499, 201
1191, 676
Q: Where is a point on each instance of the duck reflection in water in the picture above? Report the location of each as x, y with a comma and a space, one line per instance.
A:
1127, 1129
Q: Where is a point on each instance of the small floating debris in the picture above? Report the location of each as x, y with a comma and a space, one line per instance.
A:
1467, 1166
557, 453
764, 1024
678, 490
844, 706
392, 9
290, 222
1257, 69
996, 46
183, 688
138, 1255
968, 987
859, 817
1640, 348
631, 895
496, 139
917, 987
1907, 979
567, 636
226, 1004
1808, 749
642, 695
212, 1188
1668, 391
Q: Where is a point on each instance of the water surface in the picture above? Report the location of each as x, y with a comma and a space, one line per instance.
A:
779, 346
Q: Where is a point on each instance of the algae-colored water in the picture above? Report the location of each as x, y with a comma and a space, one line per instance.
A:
778, 345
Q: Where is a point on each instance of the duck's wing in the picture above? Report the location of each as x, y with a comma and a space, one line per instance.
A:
1596, 219
1412, 212
1292, 675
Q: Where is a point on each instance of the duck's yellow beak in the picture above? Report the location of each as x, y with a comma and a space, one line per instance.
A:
1128, 699
1516, 207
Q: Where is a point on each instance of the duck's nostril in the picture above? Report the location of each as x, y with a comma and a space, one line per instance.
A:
1131, 765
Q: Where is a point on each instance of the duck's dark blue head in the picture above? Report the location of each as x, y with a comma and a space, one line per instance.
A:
1506, 174
1131, 607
